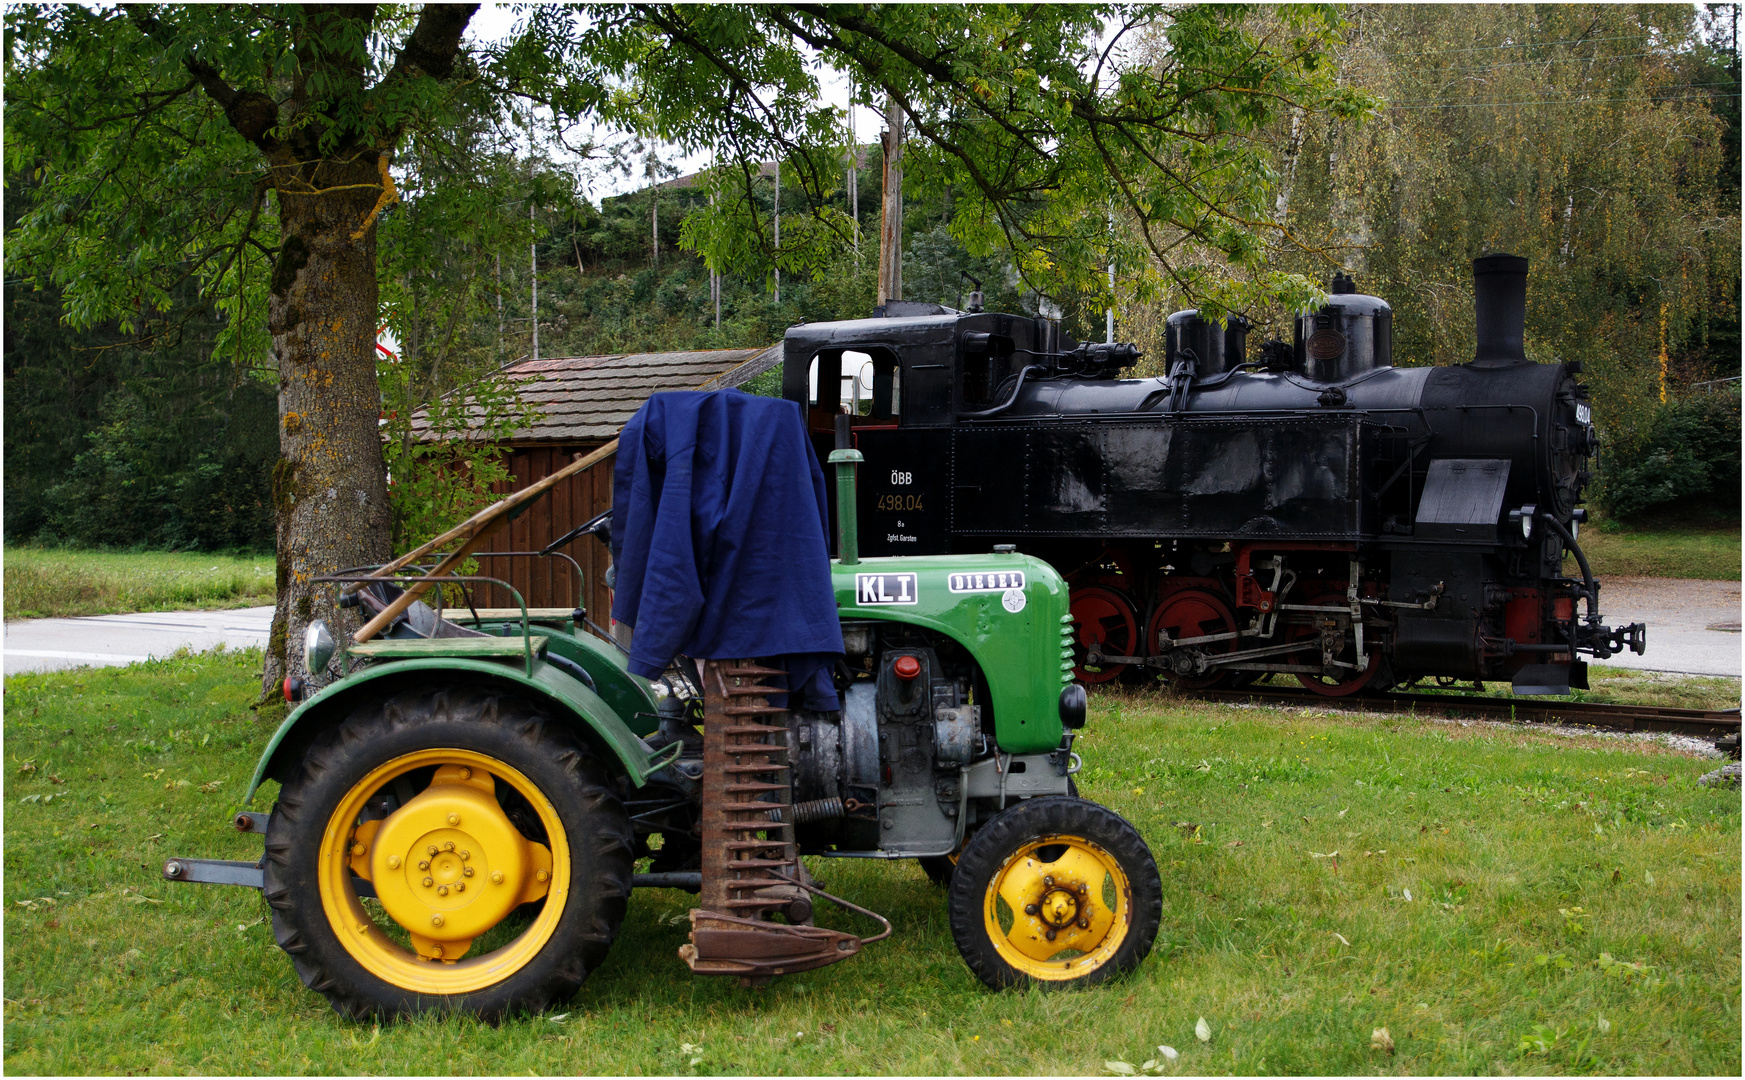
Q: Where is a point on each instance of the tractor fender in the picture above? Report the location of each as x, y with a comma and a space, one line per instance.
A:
566, 696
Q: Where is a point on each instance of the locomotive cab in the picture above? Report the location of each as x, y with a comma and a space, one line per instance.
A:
905, 378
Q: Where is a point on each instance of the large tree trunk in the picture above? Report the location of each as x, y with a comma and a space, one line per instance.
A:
330, 484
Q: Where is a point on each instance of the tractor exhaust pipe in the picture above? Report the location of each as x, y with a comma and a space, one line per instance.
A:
845, 457
1499, 306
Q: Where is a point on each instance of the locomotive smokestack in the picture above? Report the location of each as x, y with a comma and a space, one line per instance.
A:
1499, 303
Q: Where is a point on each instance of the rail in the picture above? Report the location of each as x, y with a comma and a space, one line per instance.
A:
1695, 722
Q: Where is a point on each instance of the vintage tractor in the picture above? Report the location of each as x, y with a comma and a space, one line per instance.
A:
461, 811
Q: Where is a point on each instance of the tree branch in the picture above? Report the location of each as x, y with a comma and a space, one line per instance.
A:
432, 48
252, 113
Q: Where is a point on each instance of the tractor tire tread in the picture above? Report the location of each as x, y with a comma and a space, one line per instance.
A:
984, 853
601, 848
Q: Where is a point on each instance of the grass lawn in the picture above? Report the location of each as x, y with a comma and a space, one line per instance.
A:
46, 583
1678, 549
1501, 900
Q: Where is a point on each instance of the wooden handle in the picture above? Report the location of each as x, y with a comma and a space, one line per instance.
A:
493, 511
422, 585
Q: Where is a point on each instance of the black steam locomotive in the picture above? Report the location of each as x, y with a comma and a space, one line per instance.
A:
1315, 511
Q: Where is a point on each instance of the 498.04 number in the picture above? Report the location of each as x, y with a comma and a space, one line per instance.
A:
900, 502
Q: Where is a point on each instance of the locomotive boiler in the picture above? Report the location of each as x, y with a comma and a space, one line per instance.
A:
1313, 510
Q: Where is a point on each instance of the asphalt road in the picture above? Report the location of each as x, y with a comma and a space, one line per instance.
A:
1693, 626
108, 640
1693, 629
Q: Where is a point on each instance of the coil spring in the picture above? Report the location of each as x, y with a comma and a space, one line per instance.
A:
817, 810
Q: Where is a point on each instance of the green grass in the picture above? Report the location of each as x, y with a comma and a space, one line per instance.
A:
1704, 550
57, 582
1530, 860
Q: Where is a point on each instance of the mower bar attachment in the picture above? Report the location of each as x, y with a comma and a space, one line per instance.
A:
754, 949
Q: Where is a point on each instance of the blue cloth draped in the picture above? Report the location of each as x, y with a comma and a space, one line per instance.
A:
719, 525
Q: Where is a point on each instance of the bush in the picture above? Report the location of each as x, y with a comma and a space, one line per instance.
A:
1691, 454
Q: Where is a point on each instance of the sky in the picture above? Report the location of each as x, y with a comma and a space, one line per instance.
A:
496, 21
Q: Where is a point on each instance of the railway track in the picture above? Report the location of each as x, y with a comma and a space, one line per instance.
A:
1701, 723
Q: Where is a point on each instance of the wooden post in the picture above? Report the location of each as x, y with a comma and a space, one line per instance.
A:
891, 217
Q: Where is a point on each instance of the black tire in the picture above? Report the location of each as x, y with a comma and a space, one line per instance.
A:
547, 753
1094, 836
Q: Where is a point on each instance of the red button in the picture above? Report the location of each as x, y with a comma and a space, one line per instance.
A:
906, 667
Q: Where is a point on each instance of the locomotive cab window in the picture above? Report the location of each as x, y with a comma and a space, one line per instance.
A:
869, 384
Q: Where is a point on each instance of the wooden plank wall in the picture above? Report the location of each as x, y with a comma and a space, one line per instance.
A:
551, 581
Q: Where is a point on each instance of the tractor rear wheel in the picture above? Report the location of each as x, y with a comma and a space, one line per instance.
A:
453, 849
1055, 891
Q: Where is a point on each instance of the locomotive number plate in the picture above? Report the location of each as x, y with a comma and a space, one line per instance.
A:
1326, 344
995, 582
875, 589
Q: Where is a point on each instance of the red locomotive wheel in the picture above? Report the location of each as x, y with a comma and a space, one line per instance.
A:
1193, 613
1104, 617
1329, 685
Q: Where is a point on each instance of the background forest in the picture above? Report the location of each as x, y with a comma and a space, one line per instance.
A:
1601, 142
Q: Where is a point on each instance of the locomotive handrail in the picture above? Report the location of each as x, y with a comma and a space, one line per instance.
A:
1008, 403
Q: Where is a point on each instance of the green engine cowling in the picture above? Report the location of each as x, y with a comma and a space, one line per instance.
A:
1009, 611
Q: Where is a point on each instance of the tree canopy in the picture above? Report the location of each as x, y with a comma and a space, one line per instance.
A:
258, 152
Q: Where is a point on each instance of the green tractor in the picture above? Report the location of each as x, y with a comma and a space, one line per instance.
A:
461, 811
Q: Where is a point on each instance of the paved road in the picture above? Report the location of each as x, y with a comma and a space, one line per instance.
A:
108, 640
1682, 618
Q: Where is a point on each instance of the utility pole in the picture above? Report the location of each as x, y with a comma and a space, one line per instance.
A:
778, 217
654, 210
498, 277
715, 281
891, 215
854, 178
533, 259
1111, 309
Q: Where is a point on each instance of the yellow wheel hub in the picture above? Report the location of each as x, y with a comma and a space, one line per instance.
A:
1058, 908
447, 866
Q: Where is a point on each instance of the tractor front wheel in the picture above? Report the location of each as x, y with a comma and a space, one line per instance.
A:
1053, 891
452, 849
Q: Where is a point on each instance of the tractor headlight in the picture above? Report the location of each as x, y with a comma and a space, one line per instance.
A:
317, 647
1072, 706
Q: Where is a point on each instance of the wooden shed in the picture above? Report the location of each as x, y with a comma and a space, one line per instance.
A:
584, 401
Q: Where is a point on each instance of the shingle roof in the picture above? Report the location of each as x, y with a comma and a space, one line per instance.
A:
590, 397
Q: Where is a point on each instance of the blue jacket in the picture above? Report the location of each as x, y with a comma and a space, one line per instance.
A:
719, 522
